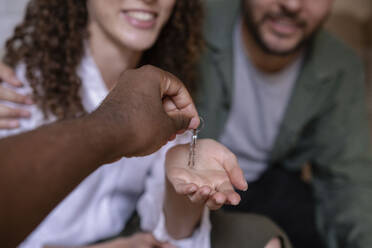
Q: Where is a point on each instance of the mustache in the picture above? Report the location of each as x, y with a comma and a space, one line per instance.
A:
292, 17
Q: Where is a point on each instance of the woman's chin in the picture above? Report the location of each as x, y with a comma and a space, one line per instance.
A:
140, 44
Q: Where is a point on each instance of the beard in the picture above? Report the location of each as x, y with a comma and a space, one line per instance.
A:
254, 30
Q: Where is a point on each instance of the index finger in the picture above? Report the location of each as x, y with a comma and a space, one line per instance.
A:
12, 96
174, 89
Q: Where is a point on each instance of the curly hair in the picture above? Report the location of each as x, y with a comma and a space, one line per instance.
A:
50, 42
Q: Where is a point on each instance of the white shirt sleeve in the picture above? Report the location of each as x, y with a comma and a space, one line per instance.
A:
150, 208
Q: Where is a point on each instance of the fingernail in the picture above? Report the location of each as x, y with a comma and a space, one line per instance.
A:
246, 186
235, 201
206, 191
219, 201
193, 188
193, 123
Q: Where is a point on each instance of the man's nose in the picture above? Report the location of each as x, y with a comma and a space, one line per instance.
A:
292, 6
149, 1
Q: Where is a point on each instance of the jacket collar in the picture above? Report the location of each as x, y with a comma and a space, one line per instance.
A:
221, 17
321, 66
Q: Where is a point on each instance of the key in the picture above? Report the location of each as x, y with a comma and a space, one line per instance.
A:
194, 138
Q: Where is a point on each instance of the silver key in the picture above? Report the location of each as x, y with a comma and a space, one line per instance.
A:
191, 163
194, 138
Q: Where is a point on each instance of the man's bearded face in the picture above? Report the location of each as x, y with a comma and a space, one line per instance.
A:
282, 27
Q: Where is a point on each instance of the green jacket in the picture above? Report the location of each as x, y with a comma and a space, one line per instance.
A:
325, 124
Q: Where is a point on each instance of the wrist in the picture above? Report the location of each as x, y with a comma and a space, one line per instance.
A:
181, 215
101, 138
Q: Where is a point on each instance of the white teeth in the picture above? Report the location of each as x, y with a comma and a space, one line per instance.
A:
286, 23
141, 16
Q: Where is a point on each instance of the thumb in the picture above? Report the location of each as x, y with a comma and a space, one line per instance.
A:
234, 172
171, 125
180, 122
172, 110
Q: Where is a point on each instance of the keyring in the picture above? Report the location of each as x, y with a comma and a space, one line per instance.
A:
201, 126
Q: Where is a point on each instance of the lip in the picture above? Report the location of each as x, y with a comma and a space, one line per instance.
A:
283, 27
140, 18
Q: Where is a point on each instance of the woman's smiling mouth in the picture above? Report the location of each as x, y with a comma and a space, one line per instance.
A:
140, 18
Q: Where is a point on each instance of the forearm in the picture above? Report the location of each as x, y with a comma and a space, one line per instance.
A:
181, 215
38, 169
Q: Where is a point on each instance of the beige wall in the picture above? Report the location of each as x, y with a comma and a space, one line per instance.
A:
361, 9
11, 12
352, 21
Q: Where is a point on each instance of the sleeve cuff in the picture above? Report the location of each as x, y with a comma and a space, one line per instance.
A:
200, 237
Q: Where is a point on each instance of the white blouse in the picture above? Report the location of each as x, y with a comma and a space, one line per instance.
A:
102, 204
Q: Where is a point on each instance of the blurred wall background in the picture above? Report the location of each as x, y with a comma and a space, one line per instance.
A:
11, 12
351, 20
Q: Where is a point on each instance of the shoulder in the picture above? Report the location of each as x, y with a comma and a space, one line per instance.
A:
37, 117
220, 18
334, 55
338, 70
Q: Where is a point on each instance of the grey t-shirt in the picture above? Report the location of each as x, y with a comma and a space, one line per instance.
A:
258, 106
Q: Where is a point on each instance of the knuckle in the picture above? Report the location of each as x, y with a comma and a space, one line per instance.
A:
149, 70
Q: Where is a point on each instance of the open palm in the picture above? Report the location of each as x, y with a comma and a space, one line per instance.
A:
212, 179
